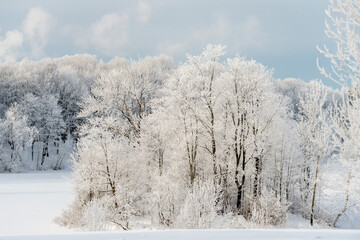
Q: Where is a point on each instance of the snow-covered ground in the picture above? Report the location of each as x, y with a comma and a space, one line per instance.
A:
253, 234
30, 201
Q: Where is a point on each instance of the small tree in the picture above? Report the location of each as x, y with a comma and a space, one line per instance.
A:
317, 134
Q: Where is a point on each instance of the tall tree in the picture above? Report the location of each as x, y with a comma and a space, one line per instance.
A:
343, 26
318, 139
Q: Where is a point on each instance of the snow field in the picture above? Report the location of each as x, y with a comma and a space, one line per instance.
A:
30, 201
253, 234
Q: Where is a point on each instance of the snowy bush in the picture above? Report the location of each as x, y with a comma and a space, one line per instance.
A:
268, 210
71, 216
165, 197
95, 216
199, 208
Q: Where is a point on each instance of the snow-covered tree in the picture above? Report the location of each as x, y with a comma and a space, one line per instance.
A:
318, 140
109, 164
347, 132
44, 114
253, 111
343, 26
207, 100
204, 144
16, 134
193, 95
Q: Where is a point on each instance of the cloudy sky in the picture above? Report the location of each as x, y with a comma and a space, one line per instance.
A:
281, 34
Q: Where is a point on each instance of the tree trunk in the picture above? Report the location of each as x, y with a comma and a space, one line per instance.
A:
346, 200
45, 151
287, 184
240, 185
32, 150
57, 147
161, 161
256, 177
212, 124
314, 192
111, 182
12, 146
191, 149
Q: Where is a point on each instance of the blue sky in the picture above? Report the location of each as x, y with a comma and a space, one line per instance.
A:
281, 34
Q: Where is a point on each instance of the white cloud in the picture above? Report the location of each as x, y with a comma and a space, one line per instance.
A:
245, 34
252, 32
37, 26
221, 28
10, 46
143, 11
175, 49
110, 33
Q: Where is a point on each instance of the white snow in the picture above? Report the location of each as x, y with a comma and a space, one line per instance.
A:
30, 201
253, 234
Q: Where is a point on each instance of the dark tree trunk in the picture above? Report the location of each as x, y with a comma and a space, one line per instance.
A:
240, 185
45, 151
256, 177
57, 147
32, 150
161, 161
12, 146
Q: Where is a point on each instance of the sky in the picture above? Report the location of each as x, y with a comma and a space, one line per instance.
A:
281, 34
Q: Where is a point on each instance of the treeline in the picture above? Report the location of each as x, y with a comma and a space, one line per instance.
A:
39, 104
211, 143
